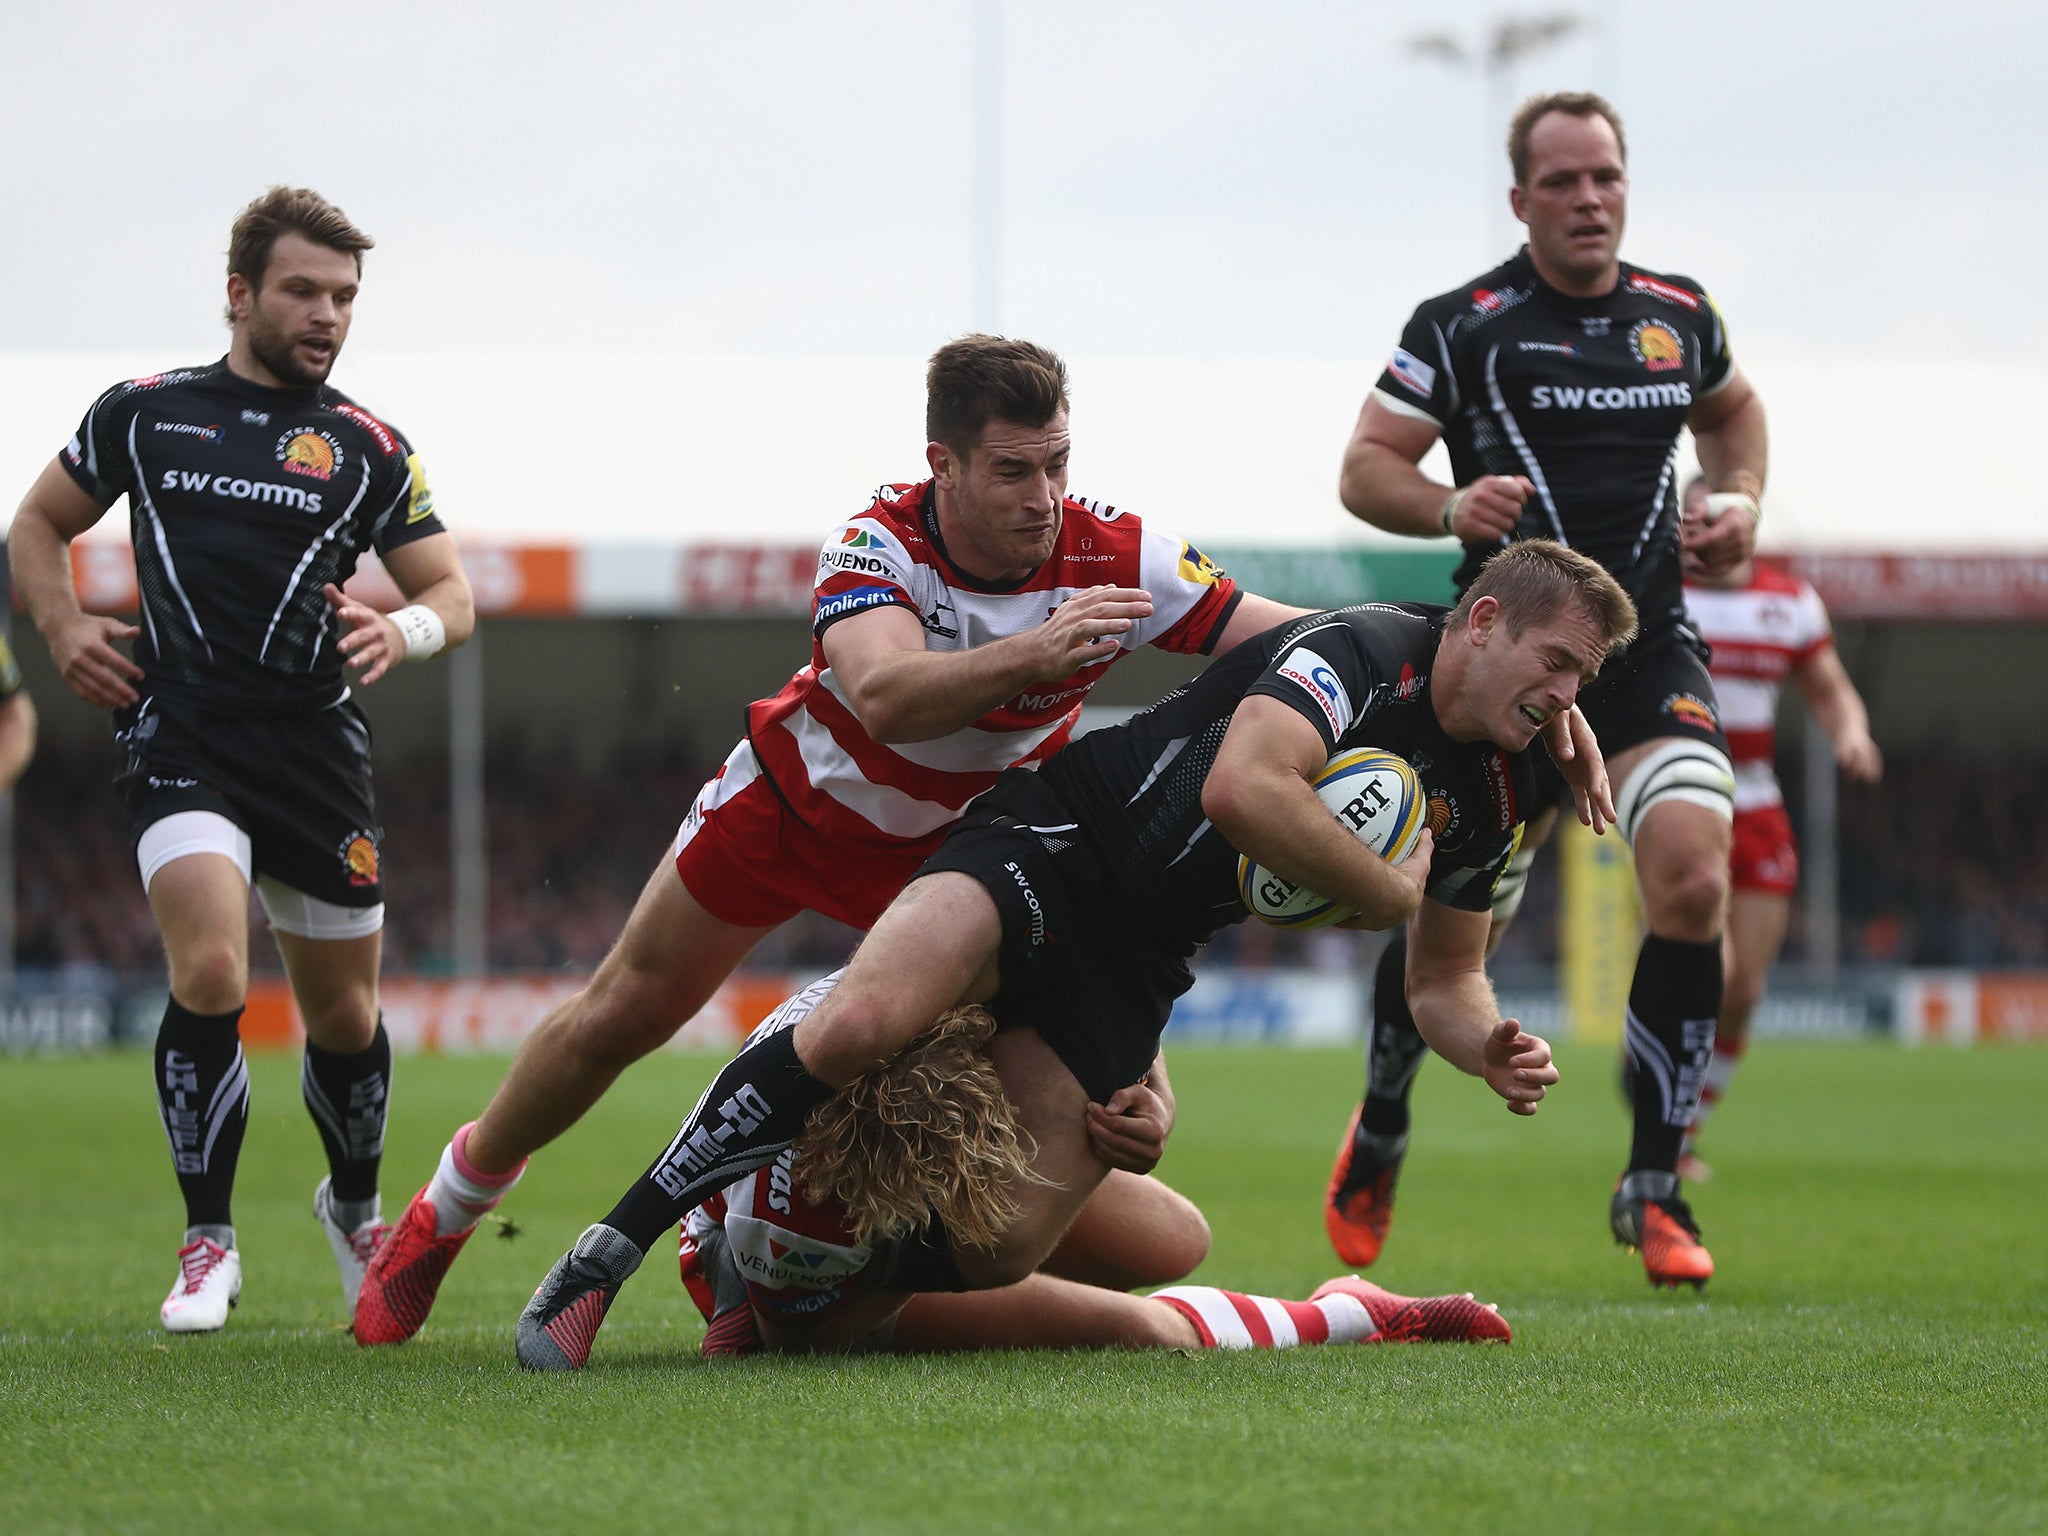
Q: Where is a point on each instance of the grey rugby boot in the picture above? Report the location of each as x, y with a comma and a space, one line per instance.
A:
559, 1324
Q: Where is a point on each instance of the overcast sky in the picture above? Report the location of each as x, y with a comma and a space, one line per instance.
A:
794, 176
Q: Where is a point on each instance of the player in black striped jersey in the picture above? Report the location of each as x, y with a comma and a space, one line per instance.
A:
1560, 382
1070, 901
253, 488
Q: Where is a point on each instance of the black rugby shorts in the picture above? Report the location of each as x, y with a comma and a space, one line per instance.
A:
1073, 966
298, 784
1658, 687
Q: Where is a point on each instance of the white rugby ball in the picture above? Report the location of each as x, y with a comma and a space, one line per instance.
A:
1370, 791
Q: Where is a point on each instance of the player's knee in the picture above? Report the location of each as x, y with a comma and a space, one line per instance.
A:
210, 976
1174, 1246
1690, 901
345, 1022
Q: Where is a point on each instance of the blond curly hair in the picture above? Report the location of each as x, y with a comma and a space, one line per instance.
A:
930, 1130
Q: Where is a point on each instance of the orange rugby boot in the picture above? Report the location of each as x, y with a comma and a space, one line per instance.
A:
1358, 1206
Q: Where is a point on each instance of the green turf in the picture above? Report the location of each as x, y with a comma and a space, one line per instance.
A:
1872, 1357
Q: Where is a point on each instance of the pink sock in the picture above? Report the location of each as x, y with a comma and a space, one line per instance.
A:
460, 1192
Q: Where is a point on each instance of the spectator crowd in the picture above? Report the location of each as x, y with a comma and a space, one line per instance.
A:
1961, 880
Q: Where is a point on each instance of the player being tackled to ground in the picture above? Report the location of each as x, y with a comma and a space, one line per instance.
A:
253, 487
958, 624
1560, 381
1764, 627
792, 1257
1069, 901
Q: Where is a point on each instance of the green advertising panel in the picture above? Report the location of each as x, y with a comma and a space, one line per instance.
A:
1332, 578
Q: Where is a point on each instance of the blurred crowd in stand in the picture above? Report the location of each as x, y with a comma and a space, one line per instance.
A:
1962, 880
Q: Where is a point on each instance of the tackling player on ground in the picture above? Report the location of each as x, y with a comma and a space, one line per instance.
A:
785, 1257
1560, 381
253, 487
1765, 627
1069, 901
958, 624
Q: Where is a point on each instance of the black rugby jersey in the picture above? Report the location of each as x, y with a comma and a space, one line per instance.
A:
1585, 397
1359, 675
243, 502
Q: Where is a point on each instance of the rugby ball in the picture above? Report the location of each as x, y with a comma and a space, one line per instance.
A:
1377, 796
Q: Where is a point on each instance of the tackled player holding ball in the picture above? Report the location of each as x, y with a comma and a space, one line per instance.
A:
1071, 899
1560, 382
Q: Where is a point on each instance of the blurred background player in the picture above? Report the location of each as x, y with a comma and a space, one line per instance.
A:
253, 487
1764, 626
957, 626
796, 1256
17, 710
1560, 382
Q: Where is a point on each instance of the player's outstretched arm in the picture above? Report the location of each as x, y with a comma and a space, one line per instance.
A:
1258, 796
1455, 1008
1824, 684
1733, 440
1383, 484
55, 512
440, 611
903, 693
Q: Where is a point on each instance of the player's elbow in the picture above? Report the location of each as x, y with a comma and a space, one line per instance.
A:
887, 719
1230, 799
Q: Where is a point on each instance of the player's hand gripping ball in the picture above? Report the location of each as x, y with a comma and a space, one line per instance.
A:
1373, 793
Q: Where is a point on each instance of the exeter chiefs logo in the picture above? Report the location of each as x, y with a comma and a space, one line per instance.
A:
1440, 815
1656, 346
1692, 710
310, 452
359, 857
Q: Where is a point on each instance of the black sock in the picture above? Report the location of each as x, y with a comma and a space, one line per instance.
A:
346, 1096
1671, 1009
752, 1110
202, 1090
1395, 1051
921, 1261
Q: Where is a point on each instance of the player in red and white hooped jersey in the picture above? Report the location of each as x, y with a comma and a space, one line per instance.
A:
889, 799
1765, 626
774, 1264
957, 625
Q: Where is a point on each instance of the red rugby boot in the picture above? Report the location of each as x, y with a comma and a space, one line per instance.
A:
401, 1281
1424, 1319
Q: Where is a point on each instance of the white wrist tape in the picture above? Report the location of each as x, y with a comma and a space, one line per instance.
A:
423, 631
1721, 501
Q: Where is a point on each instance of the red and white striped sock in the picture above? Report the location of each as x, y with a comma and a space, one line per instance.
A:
1720, 1070
462, 1193
1231, 1320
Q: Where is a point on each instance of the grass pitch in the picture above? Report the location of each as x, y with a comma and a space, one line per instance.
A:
1873, 1355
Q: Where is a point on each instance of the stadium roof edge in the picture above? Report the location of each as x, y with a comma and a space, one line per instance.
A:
600, 451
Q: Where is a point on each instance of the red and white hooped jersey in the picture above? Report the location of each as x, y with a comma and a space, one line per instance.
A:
799, 1259
1759, 633
853, 789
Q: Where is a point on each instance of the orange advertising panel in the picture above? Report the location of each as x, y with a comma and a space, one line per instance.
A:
496, 1013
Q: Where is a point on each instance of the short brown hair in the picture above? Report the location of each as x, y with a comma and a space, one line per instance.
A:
290, 211
929, 1131
1536, 580
1571, 104
979, 379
